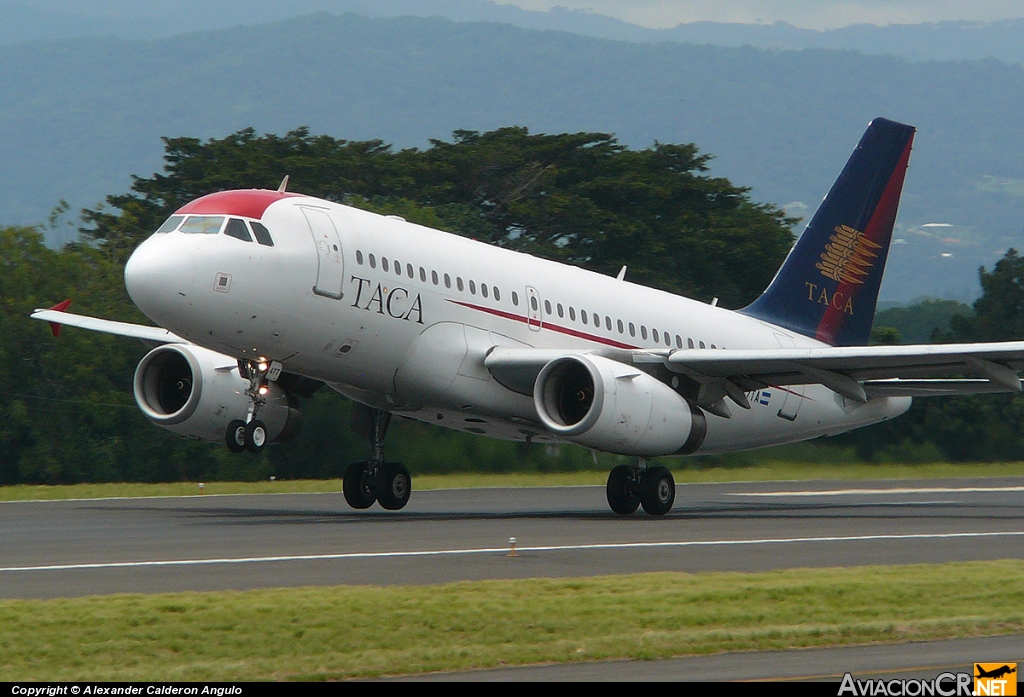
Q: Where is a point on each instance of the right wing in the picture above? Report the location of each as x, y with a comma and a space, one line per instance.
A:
135, 331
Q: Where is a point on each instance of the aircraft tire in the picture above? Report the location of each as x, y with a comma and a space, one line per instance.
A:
396, 486
657, 491
255, 436
621, 490
235, 436
358, 494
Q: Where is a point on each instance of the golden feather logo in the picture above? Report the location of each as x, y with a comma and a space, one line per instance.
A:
847, 256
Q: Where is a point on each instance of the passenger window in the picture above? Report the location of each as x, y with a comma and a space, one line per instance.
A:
384, 263
373, 262
679, 341
459, 283
618, 325
171, 224
689, 343
643, 331
483, 289
561, 312
632, 329
423, 275
409, 271
472, 288
572, 313
702, 345
668, 341
398, 267
359, 257
236, 228
203, 224
597, 320
547, 306
497, 294
583, 316
447, 281
515, 298
607, 322
262, 233
655, 336
533, 303
433, 277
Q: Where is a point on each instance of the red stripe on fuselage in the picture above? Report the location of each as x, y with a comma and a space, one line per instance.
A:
878, 230
247, 203
545, 325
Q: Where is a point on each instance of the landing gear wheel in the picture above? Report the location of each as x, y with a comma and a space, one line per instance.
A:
657, 491
235, 436
255, 436
623, 490
358, 492
395, 487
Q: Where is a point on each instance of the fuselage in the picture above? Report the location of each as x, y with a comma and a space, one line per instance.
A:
400, 316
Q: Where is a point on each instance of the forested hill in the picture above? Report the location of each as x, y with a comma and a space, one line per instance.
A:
80, 116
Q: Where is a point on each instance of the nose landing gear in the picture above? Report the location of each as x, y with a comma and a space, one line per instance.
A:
387, 483
630, 487
251, 434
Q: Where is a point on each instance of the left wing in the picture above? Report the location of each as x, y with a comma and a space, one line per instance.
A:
855, 372
57, 318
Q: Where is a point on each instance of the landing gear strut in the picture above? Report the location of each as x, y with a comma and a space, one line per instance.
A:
387, 483
250, 434
632, 486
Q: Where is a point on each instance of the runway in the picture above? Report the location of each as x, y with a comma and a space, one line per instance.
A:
87, 547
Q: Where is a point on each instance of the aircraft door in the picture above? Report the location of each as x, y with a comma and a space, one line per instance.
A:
330, 264
534, 319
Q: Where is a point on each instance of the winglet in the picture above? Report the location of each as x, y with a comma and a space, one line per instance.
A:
59, 307
284, 185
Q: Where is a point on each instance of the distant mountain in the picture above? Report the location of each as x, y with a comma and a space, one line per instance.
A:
80, 115
149, 19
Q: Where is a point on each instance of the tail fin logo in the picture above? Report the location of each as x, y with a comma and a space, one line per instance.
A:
847, 256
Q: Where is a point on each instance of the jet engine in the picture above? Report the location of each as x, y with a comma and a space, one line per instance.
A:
197, 392
607, 405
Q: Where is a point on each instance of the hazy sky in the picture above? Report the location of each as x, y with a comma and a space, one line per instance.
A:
815, 14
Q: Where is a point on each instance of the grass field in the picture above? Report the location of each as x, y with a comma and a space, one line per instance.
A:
771, 471
351, 632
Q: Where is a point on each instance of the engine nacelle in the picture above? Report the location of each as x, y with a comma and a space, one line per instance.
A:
197, 392
611, 406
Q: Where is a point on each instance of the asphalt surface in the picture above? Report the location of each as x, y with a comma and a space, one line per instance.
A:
145, 545
924, 660
87, 547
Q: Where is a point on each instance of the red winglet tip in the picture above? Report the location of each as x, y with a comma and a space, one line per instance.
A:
59, 307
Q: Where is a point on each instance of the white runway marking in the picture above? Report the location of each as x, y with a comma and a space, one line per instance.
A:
867, 492
504, 550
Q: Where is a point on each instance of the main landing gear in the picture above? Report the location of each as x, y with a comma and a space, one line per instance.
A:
632, 486
250, 434
387, 483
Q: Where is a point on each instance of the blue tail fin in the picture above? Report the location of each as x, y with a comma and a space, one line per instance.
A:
828, 285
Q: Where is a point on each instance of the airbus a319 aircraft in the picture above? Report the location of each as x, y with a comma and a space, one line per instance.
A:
264, 296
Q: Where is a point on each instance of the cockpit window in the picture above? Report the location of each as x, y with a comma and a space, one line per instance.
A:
171, 224
262, 233
203, 224
236, 228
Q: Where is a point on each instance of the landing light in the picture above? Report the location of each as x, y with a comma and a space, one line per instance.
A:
263, 389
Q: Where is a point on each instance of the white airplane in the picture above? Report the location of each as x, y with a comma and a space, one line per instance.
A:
263, 296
